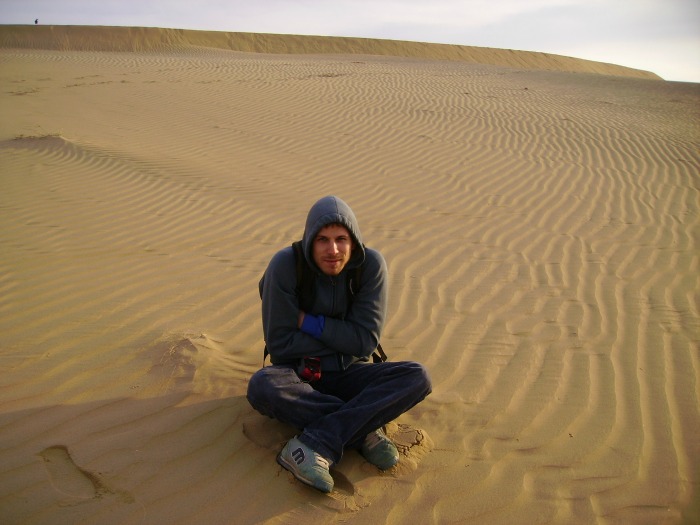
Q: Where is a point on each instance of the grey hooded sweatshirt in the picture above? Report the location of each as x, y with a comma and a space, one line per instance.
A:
350, 334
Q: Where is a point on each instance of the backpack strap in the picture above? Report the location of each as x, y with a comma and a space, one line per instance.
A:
305, 278
379, 356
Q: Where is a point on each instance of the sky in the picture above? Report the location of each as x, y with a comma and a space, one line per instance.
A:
662, 36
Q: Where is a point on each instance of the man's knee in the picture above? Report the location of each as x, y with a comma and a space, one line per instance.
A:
418, 377
256, 391
411, 375
267, 386
423, 378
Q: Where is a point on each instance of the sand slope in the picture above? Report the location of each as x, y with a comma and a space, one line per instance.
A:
541, 230
89, 38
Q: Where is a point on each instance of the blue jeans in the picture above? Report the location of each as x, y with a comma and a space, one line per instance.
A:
341, 408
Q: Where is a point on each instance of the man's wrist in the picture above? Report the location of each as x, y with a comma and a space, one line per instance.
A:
313, 325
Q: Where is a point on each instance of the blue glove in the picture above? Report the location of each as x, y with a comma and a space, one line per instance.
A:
313, 325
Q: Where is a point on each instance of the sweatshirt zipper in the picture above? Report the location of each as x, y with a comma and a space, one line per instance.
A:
334, 294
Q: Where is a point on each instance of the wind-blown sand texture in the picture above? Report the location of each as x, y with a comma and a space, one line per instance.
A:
88, 38
541, 230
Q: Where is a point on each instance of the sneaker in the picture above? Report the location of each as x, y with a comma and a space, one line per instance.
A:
307, 466
379, 450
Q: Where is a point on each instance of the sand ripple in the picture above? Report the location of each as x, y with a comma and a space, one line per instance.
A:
541, 231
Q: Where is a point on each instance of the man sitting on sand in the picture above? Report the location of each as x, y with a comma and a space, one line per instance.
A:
321, 380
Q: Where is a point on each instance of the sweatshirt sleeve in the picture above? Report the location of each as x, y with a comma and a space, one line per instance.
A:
280, 313
359, 332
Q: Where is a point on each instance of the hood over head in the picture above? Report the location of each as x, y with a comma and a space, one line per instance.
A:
332, 210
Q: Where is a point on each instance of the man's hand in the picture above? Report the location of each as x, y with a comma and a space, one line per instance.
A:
312, 325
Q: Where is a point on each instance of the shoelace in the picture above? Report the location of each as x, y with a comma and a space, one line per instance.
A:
373, 439
321, 460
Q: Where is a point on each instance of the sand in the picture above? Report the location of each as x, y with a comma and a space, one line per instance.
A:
541, 230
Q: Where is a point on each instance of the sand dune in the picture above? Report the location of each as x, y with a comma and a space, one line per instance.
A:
541, 230
89, 38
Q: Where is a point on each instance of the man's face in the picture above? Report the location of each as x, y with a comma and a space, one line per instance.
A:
332, 249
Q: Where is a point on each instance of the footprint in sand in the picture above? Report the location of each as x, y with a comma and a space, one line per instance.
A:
69, 479
413, 444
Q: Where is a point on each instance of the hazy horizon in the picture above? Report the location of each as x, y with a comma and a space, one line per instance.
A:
655, 35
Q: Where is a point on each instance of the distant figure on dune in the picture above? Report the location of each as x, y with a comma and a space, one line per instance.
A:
321, 331
36, 21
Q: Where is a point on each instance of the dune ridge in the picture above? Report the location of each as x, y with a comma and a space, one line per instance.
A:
141, 39
541, 231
